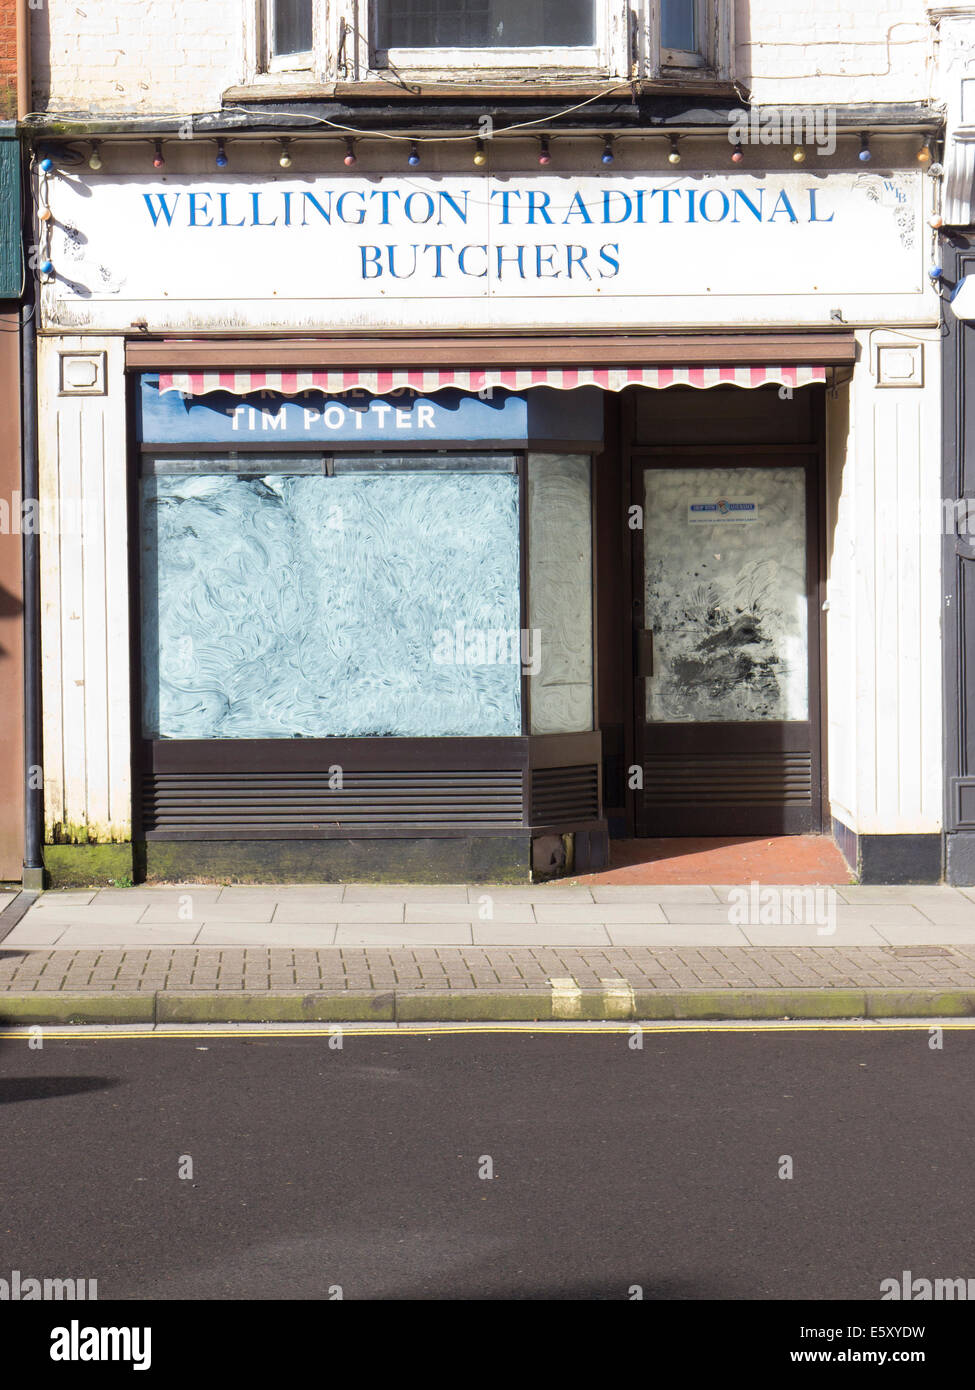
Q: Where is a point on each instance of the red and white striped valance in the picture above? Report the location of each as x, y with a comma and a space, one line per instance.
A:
383, 383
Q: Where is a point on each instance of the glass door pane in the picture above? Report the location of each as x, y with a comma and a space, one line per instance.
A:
726, 594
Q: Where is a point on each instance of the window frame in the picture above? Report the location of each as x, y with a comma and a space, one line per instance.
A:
595, 59
627, 48
690, 57
282, 63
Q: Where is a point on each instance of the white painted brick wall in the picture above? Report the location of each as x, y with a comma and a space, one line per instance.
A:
136, 55
822, 51
159, 56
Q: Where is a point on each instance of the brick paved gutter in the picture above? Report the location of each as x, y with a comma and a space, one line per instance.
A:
187, 985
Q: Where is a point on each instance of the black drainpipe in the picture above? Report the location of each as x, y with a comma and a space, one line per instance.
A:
31, 541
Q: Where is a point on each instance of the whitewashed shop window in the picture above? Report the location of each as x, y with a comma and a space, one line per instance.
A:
379, 599
456, 40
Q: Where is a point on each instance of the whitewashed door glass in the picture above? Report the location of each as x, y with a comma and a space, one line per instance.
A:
725, 580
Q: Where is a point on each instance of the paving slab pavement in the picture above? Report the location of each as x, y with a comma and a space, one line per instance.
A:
457, 951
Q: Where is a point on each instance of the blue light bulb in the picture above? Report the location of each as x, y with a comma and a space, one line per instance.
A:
46, 268
414, 157
47, 165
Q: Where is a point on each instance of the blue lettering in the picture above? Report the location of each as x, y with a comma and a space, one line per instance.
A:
438, 250
462, 257
711, 193
783, 205
612, 261
813, 214
384, 195
445, 198
340, 208
627, 205
665, 196
371, 257
577, 254
307, 198
505, 194
538, 202
425, 200
518, 259
164, 210
577, 208
546, 259
256, 221
397, 275
756, 212
204, 210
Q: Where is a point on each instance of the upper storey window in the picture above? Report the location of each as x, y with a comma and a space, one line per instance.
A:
485, 24
463, 40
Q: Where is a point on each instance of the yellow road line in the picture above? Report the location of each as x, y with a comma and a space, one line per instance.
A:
123, 1034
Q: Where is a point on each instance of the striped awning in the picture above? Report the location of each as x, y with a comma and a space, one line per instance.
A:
383, 383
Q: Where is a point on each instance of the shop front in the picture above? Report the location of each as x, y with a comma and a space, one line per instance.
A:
445, 529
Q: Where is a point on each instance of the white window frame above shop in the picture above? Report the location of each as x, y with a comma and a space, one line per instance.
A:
627, 45
304, 61
608, 54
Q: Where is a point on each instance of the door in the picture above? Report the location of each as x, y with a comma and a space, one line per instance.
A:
726, 646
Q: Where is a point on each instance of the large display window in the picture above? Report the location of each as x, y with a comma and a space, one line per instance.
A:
365, 596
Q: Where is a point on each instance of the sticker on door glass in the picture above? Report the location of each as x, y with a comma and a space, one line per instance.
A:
722, 510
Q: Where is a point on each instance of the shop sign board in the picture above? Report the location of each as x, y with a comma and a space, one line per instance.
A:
266, 419
231, 251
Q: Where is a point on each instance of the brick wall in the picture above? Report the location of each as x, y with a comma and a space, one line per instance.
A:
831, 51
136, 55
8, 59
155, 56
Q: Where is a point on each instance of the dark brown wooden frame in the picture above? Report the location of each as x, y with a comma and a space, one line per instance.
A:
634, 459
819, 347
519, 754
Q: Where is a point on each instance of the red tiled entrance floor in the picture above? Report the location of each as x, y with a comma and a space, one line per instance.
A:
782, 859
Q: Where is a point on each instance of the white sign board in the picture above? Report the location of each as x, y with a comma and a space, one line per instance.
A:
612, 250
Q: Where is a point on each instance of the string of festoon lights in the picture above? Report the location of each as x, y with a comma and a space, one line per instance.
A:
546, 147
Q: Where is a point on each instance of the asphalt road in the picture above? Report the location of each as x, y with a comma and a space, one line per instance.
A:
359, 1168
